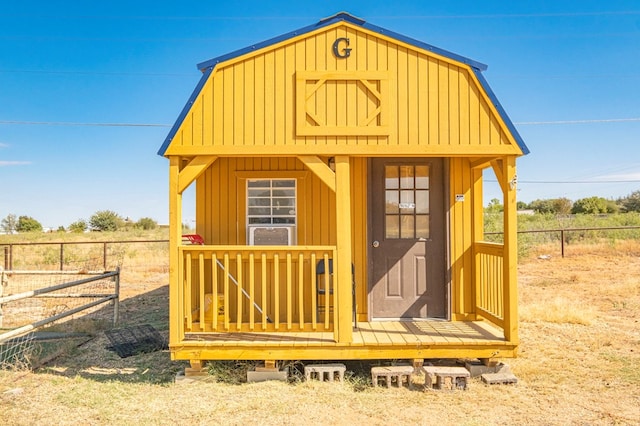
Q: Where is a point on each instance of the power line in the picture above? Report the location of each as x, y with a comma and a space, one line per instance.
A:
604, 120
75, 123
146, 74
578, 181
284, 18
563, 76
515, 15
161, 18
70, 123
545, 36
133, 39
168, 74
570, 181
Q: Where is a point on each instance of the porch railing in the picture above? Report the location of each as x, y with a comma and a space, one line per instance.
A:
256, 288
489, 283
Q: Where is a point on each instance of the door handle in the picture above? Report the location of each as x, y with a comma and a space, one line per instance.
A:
376, 244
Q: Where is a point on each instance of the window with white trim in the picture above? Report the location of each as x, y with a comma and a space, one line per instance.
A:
271, 211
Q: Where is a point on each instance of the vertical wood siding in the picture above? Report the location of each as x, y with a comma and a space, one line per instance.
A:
463, 221
251, 101
221, 207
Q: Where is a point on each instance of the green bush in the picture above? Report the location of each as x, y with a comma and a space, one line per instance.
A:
147, 224
79, 225
552, 206
28, 224
106, 220
594, 205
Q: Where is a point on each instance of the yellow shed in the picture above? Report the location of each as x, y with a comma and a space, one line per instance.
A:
338, 175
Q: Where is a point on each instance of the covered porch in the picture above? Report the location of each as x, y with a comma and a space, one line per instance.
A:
231, 298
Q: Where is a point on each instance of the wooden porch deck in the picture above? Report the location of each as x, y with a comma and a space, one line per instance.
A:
371, 340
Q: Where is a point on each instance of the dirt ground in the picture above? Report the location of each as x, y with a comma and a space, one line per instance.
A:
578, 363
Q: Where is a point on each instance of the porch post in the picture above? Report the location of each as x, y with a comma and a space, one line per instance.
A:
477, 232
510, 261
176, 332
343, 327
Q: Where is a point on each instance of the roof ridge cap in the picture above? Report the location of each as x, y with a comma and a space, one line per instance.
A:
344, 16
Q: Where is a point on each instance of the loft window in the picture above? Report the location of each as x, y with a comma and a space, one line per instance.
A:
271, 211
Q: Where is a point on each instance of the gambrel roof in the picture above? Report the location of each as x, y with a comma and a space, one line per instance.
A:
503, 126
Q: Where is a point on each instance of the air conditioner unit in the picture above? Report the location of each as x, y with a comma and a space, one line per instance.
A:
271, 235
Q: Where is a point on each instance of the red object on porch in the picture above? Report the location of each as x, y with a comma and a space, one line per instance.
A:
193, 239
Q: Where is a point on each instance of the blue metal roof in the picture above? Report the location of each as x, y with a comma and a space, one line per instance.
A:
342, 16
185, 111
502, 112
208, 66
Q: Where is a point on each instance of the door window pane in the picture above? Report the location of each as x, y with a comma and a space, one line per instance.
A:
422, 177
422, 226
422, 202
391, 202
391, 177
407, 201
392, 226
406, 177
407, 227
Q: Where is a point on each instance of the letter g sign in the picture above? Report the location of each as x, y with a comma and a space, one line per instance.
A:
336, 48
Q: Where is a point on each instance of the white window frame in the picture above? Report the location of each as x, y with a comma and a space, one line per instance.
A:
289, 221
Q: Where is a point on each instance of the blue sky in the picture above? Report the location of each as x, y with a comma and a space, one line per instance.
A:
566, 72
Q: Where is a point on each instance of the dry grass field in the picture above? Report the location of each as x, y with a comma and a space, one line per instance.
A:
579, 363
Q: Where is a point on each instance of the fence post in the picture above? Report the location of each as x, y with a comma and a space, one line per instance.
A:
116, 301
61, 256
104, 256
6, 258
2, 288
562, 242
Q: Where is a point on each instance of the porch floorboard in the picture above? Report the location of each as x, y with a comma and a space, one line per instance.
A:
369, 334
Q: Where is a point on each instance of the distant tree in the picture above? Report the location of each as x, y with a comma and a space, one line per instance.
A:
79, 225
552, 206
612, 207
494, 206
60, 229
541, 206
631, 203
562, 205
28, 224
9, 224
593, 205
521, 205
146, 223
106, 220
